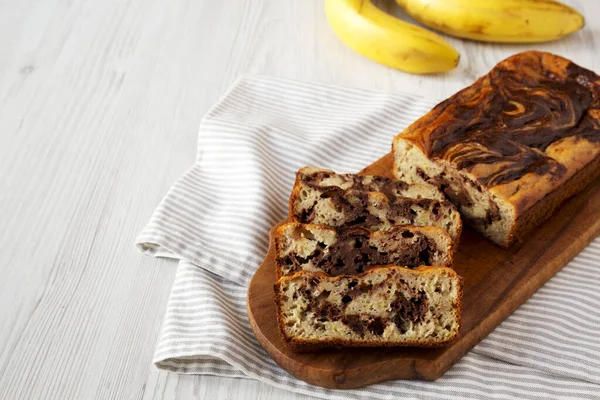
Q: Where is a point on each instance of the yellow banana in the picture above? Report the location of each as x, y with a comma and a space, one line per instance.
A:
388, 40
505, 21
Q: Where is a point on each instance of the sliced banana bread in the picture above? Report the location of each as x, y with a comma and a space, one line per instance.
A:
374, 210
351, 251
321, 181
386, 306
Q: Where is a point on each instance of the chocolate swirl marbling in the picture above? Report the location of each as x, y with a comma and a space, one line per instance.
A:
510, 148
510, 116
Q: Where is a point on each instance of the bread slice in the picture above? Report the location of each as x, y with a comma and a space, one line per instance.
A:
321, 248
374, 210
510, 148
321, 181
385, 306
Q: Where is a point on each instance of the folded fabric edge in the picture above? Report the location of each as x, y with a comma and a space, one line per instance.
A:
220, 365
156, 250
251, 77
224, 366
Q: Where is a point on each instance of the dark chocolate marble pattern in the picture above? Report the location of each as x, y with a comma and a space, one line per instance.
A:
391, 188
408, 306
510, 116
353, 204
351, 253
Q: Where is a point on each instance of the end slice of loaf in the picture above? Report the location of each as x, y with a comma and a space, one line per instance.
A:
374, 210
321, 248
385, 306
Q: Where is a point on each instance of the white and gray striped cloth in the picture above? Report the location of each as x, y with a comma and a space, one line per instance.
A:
215, 220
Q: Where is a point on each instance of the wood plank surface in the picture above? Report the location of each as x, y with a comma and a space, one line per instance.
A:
100, 102
496, 282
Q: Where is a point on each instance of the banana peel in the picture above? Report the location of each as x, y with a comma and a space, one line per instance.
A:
398, 44
388, 40
501, 21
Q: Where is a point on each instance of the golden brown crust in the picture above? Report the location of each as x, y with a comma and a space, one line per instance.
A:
304, 345
544, 208
307, 345
295, 196
521, 131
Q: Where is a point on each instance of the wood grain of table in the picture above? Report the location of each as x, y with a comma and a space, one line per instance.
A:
100, 102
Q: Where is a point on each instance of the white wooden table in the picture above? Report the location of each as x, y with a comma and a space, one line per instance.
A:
100, 101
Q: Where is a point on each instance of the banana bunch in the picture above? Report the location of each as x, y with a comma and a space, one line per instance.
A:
388, 40
398, 44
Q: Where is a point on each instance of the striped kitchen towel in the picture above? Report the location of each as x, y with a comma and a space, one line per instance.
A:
216, 218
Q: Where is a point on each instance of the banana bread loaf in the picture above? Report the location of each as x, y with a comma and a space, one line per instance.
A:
511, 147
386, 306
354, 250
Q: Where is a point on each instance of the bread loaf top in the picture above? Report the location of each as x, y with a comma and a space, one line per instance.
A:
520, 131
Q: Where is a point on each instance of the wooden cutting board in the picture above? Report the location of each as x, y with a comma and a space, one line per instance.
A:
496, 282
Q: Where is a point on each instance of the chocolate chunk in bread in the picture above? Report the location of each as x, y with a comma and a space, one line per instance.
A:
326, 182
511, 147
354, 250
353, 208
385, 306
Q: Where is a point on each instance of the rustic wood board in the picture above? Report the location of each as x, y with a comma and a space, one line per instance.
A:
496, 282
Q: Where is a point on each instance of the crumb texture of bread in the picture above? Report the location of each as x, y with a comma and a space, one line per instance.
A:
501, 146
310, 247
387, 306
373, 210
324, 180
